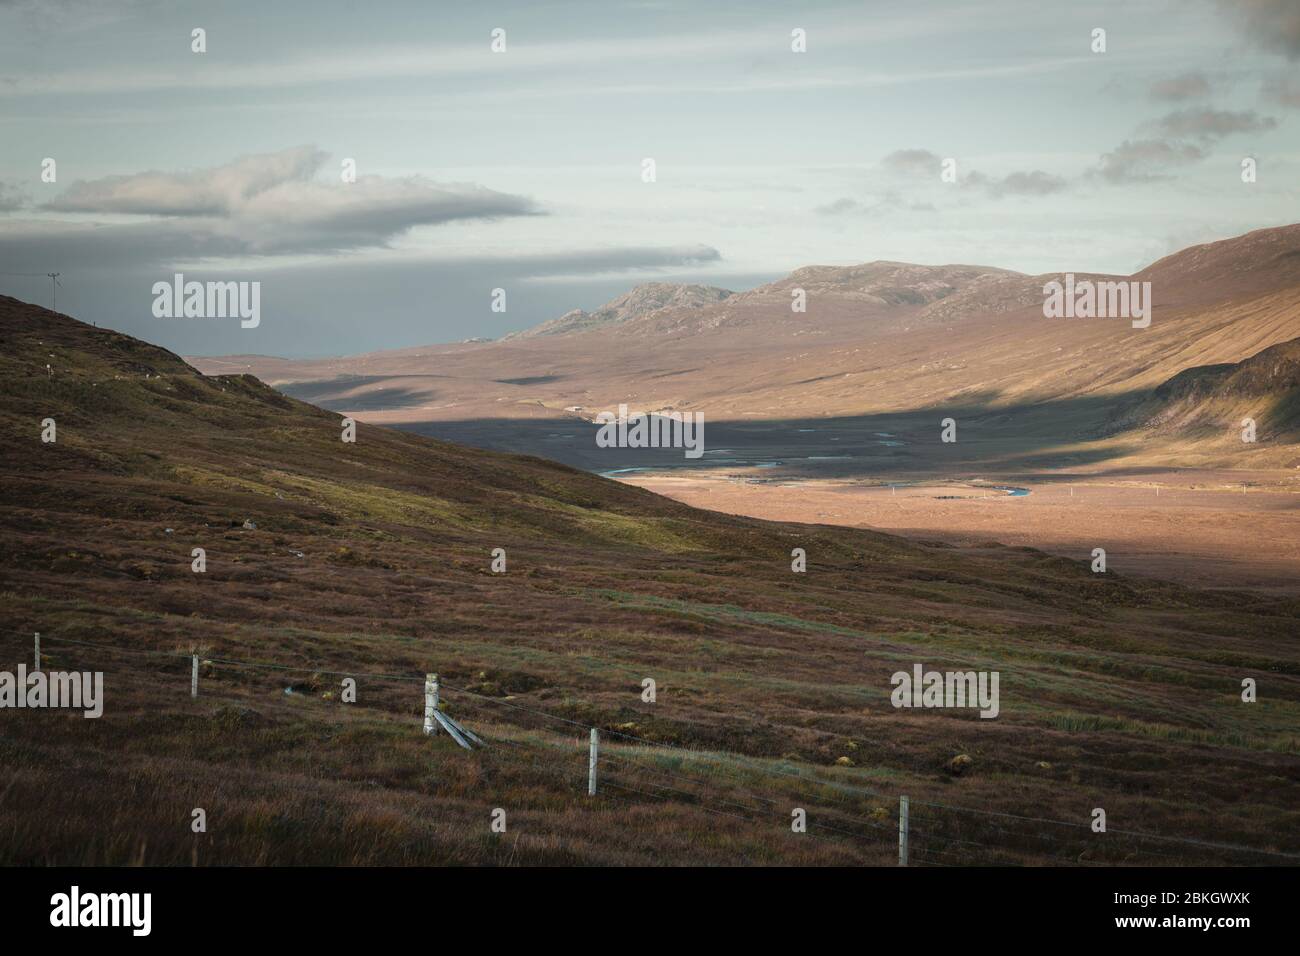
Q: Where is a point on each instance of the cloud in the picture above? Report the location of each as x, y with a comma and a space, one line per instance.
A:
1206, 124
1272, 24
282, 207
1032, 183
841, 207
1185, 86
42, 244
890, 201
449, 59
10, 198
585, 262
271, 219
924, 163
221, 190
272, 204
912, 162
70, 15
372, 209
1145, 160
158, 245
1178, 139
1282, 90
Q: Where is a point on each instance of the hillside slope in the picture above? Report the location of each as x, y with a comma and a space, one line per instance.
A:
1207, 404
374, 559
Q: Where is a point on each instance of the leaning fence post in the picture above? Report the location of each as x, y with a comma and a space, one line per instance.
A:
902, 831
194, 676
591, 763
38, 650
430, 703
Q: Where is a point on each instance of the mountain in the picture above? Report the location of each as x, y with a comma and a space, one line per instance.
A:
883, 338
328, 561
1247, 266
872, 290
885, 283
1209, 403
643, 300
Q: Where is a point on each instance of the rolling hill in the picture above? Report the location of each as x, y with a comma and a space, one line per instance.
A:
375, 559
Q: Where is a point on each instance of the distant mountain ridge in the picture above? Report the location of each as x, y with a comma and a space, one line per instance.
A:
642, 300
885, 283
1261, 261
879, 337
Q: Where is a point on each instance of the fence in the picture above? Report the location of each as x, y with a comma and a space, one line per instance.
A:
631, 769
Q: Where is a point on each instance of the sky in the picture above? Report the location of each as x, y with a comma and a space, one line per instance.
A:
524, 167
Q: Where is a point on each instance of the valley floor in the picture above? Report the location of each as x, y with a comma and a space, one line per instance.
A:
1208, 529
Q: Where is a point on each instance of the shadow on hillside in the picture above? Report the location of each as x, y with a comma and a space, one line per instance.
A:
325, 394
1000, 438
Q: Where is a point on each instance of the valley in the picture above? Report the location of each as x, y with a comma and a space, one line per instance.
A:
832, 404
374, 560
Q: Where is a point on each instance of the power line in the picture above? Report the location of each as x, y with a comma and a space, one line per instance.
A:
54, 283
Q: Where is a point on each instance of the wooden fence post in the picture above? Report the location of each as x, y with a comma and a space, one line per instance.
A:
194, 676
38, 650
591, 763
430, 703
902, 831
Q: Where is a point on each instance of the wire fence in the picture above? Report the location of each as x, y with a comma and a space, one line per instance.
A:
632, 770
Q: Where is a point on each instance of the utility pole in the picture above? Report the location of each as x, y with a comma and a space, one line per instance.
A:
54, 285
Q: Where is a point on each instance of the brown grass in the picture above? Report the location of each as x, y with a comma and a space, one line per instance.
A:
1126, 689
